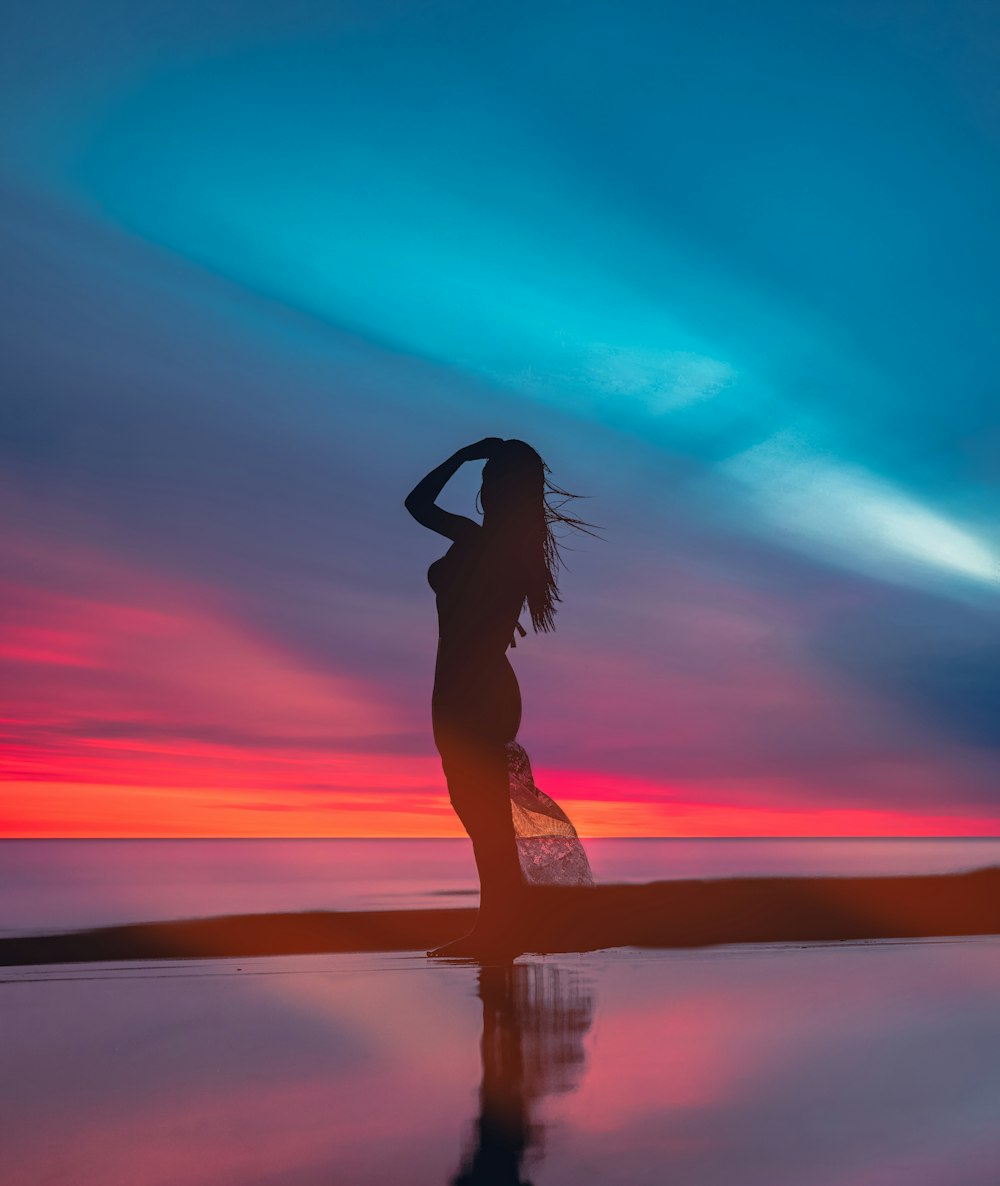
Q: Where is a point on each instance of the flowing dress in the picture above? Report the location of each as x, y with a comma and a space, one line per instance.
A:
476, 701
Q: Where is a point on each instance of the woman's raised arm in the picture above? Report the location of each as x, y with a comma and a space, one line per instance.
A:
420, 501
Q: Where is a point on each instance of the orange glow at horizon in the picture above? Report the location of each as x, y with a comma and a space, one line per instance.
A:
50, 810
135, 705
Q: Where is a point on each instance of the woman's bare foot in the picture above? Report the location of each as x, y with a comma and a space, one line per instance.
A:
482, 944
501, 937
464, 947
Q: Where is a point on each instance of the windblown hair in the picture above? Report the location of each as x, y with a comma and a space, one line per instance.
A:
519, 485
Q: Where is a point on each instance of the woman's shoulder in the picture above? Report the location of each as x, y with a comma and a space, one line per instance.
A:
463, 530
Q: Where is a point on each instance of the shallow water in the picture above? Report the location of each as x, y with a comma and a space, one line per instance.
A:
832, 1065
59, 884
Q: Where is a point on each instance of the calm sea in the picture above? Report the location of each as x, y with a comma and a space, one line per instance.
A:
54, 884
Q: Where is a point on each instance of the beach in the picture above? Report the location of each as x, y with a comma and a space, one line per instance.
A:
835, 1028
666, 914
519, 482
766, 1065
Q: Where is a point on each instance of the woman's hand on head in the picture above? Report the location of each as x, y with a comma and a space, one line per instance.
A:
483, 449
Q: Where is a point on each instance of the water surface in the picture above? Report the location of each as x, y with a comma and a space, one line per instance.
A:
832, 1065
64, 884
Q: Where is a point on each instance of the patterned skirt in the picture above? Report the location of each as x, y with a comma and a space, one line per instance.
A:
549, 849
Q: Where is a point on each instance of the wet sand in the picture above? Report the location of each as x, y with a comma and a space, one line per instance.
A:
665, 914
758, 1065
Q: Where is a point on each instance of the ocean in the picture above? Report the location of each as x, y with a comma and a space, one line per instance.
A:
50, 885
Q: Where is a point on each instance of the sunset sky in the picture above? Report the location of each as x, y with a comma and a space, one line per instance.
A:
731, 268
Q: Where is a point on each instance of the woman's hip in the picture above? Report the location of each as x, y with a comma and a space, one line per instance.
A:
487, 712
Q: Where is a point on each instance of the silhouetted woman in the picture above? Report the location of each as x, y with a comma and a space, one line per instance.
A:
481, 584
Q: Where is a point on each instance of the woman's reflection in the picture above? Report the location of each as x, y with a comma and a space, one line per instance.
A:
535, 1016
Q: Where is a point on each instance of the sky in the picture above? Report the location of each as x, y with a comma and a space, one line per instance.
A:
730, 268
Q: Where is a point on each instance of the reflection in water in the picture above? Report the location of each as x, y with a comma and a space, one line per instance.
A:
535, 1016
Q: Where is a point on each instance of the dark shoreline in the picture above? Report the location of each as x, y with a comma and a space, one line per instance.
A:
659, 914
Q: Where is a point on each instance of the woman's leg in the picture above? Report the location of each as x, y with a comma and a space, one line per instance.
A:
478, 786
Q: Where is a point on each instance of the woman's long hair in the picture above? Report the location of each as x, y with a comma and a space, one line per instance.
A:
518, 489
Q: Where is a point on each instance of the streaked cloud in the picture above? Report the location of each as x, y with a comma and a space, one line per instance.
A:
853, 517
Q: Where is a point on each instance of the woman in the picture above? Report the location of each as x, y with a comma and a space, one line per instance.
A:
481, 584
